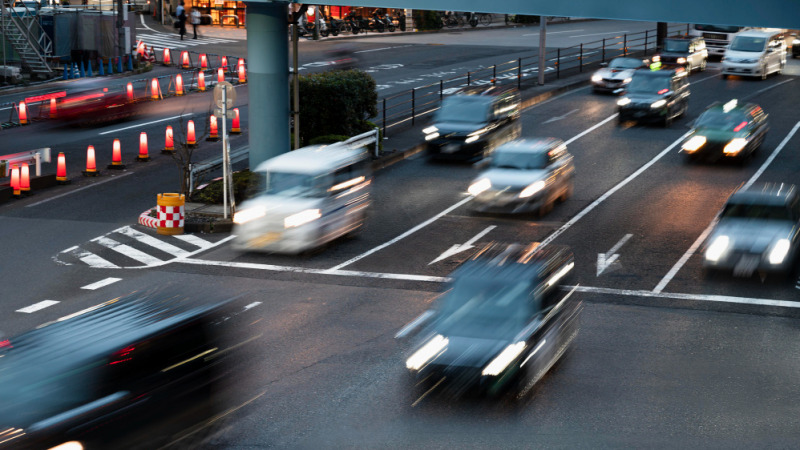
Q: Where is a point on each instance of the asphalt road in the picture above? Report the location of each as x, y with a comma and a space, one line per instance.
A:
665, 357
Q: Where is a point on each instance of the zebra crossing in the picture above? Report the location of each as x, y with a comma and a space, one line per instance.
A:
167, 40
128, 247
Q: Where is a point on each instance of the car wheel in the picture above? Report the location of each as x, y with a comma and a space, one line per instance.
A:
546, 207
567, 192
764, 72
724, 76
703, 65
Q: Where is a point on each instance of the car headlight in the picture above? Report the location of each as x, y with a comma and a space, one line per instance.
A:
694, 143
681, 60
656, 58
474, 136
717, 248
479, 186
430, 130
301, 218
432, 136
502, 360
428, 351
735, 146
627, 80
532, 189
623, 101
71, 445
658, 103
596, 78
779, 252
796, 42
248, 214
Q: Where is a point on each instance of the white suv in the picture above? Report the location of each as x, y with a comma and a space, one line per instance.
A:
755, 53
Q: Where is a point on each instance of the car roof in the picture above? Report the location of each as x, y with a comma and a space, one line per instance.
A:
314, 159
727, 106
657, 73
757, 33
537, 145
764, 194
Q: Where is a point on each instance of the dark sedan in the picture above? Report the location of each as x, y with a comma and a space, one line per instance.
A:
729, 130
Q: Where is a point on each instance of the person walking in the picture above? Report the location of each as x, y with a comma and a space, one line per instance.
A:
195, 21
180, 14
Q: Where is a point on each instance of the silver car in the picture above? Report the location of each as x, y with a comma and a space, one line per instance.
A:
616, 74
758, 230
527, 175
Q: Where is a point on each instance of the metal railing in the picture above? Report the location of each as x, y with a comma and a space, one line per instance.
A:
196, 171
405, 108
29, 27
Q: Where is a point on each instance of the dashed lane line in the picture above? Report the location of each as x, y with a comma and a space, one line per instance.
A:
37, 306
101, 283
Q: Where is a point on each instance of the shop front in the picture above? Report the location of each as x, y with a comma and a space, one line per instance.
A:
222, 12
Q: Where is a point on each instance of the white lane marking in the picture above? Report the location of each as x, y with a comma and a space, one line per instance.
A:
194, 240
139, 125
611, 191
458, 248
101, 283
141, 16
345, 273
553, 119
80, 189
603, 263
37, 306
152, 242
554, 32
683, 259
413, 324
612, 33
404, 235
383, 48
693, 297
761, 91
589, 130
90, 258
128, 251
251, 305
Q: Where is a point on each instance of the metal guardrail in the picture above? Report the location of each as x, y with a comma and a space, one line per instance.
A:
406, 107
36, 157
204, 167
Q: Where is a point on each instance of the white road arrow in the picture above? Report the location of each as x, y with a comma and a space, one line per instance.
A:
458, 248
604, 262
560, 117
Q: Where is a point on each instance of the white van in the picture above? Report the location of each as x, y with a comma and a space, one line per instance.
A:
755, 53
308, 197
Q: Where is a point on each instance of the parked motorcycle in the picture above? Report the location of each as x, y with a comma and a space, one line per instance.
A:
353, 22
388, 23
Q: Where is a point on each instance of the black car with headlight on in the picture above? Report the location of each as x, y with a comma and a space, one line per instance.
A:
657, 96
758, 230
727, 130
502, 319
472, 123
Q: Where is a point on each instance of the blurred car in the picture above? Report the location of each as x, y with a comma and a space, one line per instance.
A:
501, 319
755, 53
96, 104
471, 124
307, 197
655, 96
127, 374
795, 46
524, 176
343, 57
688, 52
729, 130
758, 230
616, 74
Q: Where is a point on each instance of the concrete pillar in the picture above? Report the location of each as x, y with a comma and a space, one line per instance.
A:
268, 80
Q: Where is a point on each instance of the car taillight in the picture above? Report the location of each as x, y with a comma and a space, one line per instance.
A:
121, 356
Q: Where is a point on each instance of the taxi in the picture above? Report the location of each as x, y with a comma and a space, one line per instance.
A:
730, 130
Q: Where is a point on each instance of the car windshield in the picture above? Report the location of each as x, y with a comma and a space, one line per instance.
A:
648, 84
291, 185
486, 308
676, 45
717, 28
625, 63
519, 160
754, 211
465, 109
748, 44
718, 120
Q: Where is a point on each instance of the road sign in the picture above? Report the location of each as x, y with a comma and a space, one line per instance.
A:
230, 93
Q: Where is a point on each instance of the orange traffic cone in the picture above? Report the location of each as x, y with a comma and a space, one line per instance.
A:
24, 178
242, 74
155, 89
91, 164
213, 134
167, 57
178, 84
53, 110
15, 180
23, 113
220, 75
129, 91
61, 169
143, 155
201, 81
224, 63
185, 63
169, 141
203, 61
116, 156
190, 138
235, 125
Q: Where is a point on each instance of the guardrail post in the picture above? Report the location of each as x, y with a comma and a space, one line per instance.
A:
519, 73
645, 42
413, 111
625, 44
604, 51
191, 179
441, 89
558, 62
468, 75
494, 73
377, 141
580, 60
384, 116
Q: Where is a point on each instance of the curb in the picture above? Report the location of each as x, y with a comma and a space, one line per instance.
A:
147, 221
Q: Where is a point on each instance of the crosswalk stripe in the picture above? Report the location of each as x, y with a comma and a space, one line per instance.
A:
91, 259
170, 41
194, 240
128, 251
153, 242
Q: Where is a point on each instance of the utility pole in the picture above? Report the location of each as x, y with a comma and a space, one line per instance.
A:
542, 48
121, 28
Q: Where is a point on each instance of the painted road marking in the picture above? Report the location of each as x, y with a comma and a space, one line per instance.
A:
80, 189
683, 259
37, 306
143, 124
90, 258
604, 263
128, 251
194, 240
553, 119
693, 297
612, 33
553, 32
458, 248
153, 242
101, 283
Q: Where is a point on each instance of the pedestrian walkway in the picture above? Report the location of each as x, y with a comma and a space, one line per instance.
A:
167, 40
